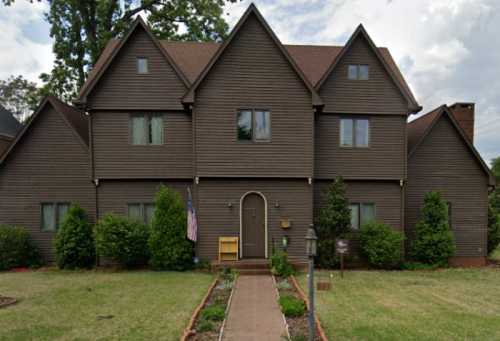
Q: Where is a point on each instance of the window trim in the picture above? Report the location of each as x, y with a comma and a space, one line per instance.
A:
354, 135
148, 116
142, 205
137, 65
358, 67
359, 204
55, 204
252, 111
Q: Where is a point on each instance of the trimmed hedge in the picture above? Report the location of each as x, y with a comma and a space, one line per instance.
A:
122, 239
16, 249
381, 245
74, 242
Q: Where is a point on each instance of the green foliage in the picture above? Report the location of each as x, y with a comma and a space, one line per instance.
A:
280, 266
16, 249
19, 96
214, 312
493, 230
205, 326
494, 200
169, 246
292, 306
495, 167
433, 243
415, 266
81, 29
381, 245
124, 240
334, 222
74, 242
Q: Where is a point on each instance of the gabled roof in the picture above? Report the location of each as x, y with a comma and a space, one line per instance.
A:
252, 10
75, 119
9, 126
420, 128
111, 51
385, 59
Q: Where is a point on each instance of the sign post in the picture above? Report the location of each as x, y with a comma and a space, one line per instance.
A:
342, 247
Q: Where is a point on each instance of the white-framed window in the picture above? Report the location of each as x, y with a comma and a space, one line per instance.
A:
142, 65
253, 125
358, 72
146, 129
355, 132
142, 212
52, 215
361, 213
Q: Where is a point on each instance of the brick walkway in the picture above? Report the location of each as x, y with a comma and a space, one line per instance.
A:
254, 314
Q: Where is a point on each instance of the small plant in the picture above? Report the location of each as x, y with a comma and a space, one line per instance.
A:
214, 312
381, 245
124, 240
280, 265
433, 243
291, 306
74, 242
205, 326
283, 285
16, 249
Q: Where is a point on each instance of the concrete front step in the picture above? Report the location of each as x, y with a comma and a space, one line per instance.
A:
254, 271
244, 264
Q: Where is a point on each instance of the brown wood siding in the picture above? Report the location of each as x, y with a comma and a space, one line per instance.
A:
383, 159
121, 87
115, 195
216, 219
115, 157
444, 163
252, 73
48, 165
378, 95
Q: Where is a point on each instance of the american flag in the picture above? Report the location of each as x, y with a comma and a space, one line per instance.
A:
192, 223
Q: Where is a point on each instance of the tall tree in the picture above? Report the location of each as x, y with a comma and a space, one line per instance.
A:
19, 96
495, 194
81, 29
495, 167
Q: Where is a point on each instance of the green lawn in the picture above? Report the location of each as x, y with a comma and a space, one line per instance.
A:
452, 304
71, 305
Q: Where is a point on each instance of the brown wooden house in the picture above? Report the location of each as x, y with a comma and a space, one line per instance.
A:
256, 128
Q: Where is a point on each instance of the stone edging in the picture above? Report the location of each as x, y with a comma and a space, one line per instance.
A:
287, 329
8, 301
221, 331
319, 328
189, 329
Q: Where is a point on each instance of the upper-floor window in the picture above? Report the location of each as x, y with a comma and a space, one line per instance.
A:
358, 72
254, 125
142, 212
142, 65
52, 215
354, 132
146, 129
361, 213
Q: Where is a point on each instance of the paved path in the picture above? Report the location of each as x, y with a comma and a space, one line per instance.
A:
254, 314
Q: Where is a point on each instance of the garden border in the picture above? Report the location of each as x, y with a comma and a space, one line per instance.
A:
319, 328
221, 331
275, 284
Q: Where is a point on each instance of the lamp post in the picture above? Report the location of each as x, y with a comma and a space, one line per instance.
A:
311, 247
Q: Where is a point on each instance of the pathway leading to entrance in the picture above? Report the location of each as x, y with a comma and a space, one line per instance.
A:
254, 314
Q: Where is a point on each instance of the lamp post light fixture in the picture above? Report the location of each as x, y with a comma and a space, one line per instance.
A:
311, 250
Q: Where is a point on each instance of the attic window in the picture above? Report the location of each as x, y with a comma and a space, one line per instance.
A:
358, 72
142, 65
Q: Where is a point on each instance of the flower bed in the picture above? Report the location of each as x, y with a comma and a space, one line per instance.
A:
209, 318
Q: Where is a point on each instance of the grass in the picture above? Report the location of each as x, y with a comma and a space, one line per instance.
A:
452, 304
60, 305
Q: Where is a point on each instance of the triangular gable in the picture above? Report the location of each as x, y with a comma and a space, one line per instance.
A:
252, 9
435, 116
58, 107
397, 79
112, 50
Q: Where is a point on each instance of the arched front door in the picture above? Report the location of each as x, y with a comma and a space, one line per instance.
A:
253, 219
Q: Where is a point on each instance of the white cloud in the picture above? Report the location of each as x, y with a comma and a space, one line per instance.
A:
20, 52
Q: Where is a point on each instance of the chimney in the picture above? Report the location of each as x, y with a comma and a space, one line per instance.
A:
464, 114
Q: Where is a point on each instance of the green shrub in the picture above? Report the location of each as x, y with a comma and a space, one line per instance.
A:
493, 230
124, 240
433, 243
205, 326
334, 222
415, 266
292, 306
280, 265
381, 245
74, 242
169, 246
16, 249
214, 312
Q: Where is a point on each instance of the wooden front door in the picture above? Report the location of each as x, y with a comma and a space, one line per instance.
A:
253, 226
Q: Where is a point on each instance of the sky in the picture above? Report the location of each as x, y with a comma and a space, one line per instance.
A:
448, 50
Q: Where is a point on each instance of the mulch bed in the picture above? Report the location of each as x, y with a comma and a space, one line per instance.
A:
6, 301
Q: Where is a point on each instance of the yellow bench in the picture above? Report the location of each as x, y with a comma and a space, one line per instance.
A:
228, 249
